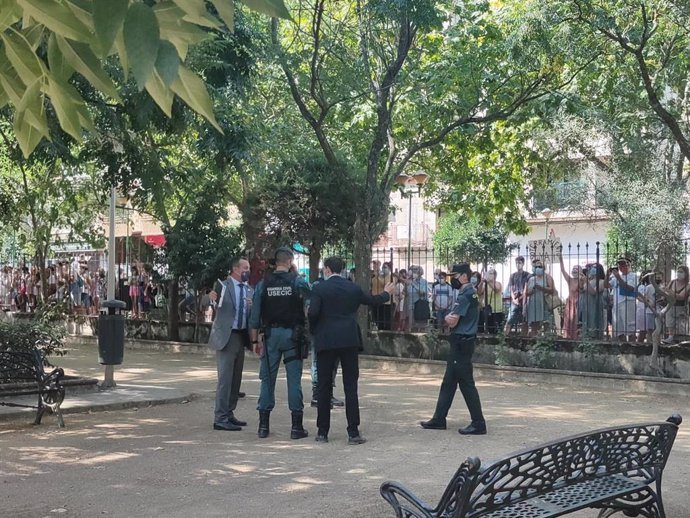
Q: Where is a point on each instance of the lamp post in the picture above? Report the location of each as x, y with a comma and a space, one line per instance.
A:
410, 185
547, 215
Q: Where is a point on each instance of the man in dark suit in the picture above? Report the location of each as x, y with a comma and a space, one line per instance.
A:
337, 336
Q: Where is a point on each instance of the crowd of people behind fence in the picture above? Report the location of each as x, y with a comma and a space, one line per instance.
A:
590, 302
73, 283
594, 304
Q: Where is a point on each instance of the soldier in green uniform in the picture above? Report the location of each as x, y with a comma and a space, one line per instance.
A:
462, 339
278, 310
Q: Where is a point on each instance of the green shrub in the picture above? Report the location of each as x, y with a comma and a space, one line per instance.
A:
26, 336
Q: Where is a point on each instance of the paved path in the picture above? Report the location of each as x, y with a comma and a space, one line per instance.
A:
166, 461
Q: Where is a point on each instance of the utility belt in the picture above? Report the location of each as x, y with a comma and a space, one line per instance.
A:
301, 342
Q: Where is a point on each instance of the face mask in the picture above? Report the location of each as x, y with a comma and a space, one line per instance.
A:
539, 271
244, 276
442, 281
474, 281
386, 271
455, 283
681, 276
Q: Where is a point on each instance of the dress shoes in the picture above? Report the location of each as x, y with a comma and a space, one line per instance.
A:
354, 440
228, 427
336, 402
321, 437
433, 424
237, 422
473, 429
241, 395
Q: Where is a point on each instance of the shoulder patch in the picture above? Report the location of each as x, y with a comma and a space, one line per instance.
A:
474, 296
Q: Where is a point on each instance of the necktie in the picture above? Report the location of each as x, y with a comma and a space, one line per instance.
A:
240, 309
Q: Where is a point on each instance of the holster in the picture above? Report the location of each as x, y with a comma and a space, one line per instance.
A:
302, 343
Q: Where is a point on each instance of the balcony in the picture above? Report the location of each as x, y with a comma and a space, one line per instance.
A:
561, 196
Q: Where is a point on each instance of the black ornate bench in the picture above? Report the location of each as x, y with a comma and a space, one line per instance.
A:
614, 470
23, 374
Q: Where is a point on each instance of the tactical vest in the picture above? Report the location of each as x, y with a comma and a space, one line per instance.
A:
281, 303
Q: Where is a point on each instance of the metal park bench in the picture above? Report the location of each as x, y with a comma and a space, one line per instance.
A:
614, 470
23, 374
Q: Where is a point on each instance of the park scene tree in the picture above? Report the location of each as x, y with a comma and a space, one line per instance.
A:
188, 136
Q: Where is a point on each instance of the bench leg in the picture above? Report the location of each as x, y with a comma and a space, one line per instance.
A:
58, 413
39, 414
645, 503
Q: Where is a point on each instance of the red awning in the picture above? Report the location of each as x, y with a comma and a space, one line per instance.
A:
158, 240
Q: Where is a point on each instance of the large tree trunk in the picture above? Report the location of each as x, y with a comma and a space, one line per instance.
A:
173, 317
314, 260
362, 258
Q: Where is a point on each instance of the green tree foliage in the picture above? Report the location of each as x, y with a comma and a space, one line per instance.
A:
200, 245
45, 43
53, 199
623, 124
311, 202
466, 239
388, 84
641, 55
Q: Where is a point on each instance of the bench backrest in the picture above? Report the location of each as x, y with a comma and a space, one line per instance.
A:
637, 451
20, 366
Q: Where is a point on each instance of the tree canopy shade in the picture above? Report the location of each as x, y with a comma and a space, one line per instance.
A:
43, 43
386, 84
310, 202
462, 239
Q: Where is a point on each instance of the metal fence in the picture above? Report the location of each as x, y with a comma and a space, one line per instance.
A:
578, 296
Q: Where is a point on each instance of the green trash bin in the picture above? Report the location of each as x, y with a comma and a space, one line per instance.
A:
111, 333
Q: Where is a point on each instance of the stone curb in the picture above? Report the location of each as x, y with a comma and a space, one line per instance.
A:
99, 407
486, 372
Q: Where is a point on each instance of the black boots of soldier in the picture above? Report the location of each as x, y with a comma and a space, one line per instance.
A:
298, 431
263, 424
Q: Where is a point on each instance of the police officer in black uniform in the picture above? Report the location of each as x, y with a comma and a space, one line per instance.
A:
278, 310
459, 364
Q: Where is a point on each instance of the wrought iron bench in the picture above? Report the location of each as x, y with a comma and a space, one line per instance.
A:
23, 374
614, 470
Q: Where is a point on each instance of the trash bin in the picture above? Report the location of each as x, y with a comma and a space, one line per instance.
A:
111, 333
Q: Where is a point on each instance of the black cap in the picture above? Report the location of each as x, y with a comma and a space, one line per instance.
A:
461, 268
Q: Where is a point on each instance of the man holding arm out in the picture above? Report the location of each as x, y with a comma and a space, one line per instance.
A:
333, 322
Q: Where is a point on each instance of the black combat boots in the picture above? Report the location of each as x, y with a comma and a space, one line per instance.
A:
263, 424
297, 431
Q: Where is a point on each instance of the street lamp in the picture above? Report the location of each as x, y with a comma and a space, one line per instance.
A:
546, 213
410, 185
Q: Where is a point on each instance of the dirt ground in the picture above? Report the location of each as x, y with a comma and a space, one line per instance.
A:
167, 461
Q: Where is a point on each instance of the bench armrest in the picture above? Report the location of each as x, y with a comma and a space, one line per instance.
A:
53, 377
410, 507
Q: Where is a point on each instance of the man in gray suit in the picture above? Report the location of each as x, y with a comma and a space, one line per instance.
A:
229, 336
